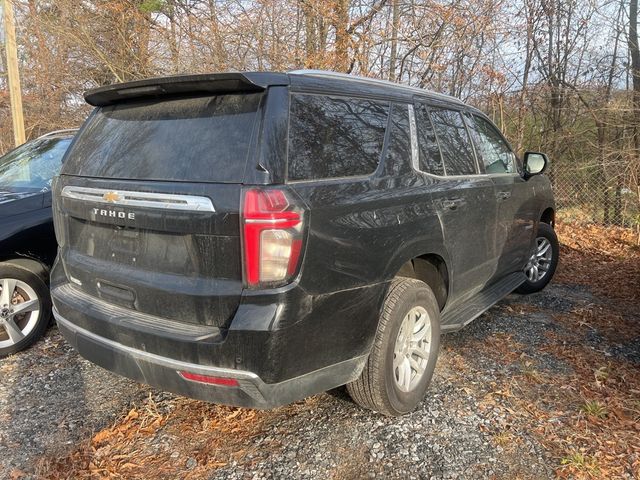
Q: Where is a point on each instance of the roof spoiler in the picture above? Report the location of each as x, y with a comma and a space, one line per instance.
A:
205, 84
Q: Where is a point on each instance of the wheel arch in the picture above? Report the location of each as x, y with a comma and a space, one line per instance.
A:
432, 269
27, 263
427, 259
37, 243
548, 216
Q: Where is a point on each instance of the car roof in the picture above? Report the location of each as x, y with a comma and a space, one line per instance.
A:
367, 85
231, 82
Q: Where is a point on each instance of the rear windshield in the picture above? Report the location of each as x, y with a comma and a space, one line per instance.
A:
203, 139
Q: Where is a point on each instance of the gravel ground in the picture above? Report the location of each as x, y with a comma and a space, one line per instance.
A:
51, 400
447, 437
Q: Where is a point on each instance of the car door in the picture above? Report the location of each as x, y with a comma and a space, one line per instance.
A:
515, 221
463, 199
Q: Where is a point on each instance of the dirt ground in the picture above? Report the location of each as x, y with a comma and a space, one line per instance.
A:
540, 386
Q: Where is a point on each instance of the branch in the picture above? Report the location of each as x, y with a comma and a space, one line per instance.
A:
365, 18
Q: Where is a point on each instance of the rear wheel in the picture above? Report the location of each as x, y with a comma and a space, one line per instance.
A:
25, 308
404, 354
542, 262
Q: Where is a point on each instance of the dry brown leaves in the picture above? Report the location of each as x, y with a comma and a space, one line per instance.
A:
588, 415
599, 434
189, 442
589, 418
147, 444
605, 259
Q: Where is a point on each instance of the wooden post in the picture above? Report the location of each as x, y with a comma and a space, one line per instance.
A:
15, 93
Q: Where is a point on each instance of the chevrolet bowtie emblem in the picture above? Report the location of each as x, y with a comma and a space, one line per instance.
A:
111, 197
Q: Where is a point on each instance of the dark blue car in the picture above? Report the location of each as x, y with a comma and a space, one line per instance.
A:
27, 240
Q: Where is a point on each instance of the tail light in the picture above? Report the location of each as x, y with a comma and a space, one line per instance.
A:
272, 236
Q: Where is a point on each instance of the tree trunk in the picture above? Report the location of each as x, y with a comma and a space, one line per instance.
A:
525, 79
143, 35
310, 34
601, 125
600, 128
395, 23
617, 207
173, 38
341, 24
634, 52
219, 59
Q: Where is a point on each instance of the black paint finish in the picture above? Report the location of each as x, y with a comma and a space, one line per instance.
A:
26, 224
170, 269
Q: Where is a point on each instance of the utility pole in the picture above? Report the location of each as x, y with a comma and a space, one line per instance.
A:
15, 93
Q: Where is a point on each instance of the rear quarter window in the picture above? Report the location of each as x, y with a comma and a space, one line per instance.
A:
198, 139
332, 137
455, 145
398, 152
430, 159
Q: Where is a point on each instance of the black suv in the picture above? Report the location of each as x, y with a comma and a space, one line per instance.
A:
254, 238
27, 242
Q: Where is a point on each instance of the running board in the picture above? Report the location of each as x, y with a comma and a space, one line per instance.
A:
471, 309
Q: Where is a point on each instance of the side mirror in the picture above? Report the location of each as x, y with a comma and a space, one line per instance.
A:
535, 163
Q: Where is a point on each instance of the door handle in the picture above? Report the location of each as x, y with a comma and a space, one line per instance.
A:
451, 204
503, 195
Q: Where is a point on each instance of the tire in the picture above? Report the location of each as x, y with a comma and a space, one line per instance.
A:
28, 325
546, 236
379, 386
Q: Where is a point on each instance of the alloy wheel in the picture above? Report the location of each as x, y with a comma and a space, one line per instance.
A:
412, 347
19, 311
540, 260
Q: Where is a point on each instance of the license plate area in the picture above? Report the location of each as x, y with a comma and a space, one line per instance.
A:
125, 243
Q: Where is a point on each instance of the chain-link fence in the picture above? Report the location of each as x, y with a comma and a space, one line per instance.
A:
587, 195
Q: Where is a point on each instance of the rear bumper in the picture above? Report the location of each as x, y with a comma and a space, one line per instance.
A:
162, 372
277, 336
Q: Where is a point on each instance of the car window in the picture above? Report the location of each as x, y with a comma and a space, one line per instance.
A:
34, 164
455, 144
430, 159
195, 139
496, 154
332, 137
398, 152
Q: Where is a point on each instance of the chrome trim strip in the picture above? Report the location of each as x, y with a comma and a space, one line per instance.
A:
157, 359
58, 132
415, 154
163, 201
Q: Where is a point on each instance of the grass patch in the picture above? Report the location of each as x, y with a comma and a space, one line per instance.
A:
594, 408
578, 462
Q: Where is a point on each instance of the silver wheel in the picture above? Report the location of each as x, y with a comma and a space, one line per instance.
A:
540, 260
404, 352
411, 352
19, 311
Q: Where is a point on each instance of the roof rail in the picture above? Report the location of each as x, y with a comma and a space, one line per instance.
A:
57, 132
343, 76
371, 81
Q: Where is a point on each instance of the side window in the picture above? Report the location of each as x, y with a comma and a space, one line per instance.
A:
430, 160
495, 152
398, 151
331, 137
455, 144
